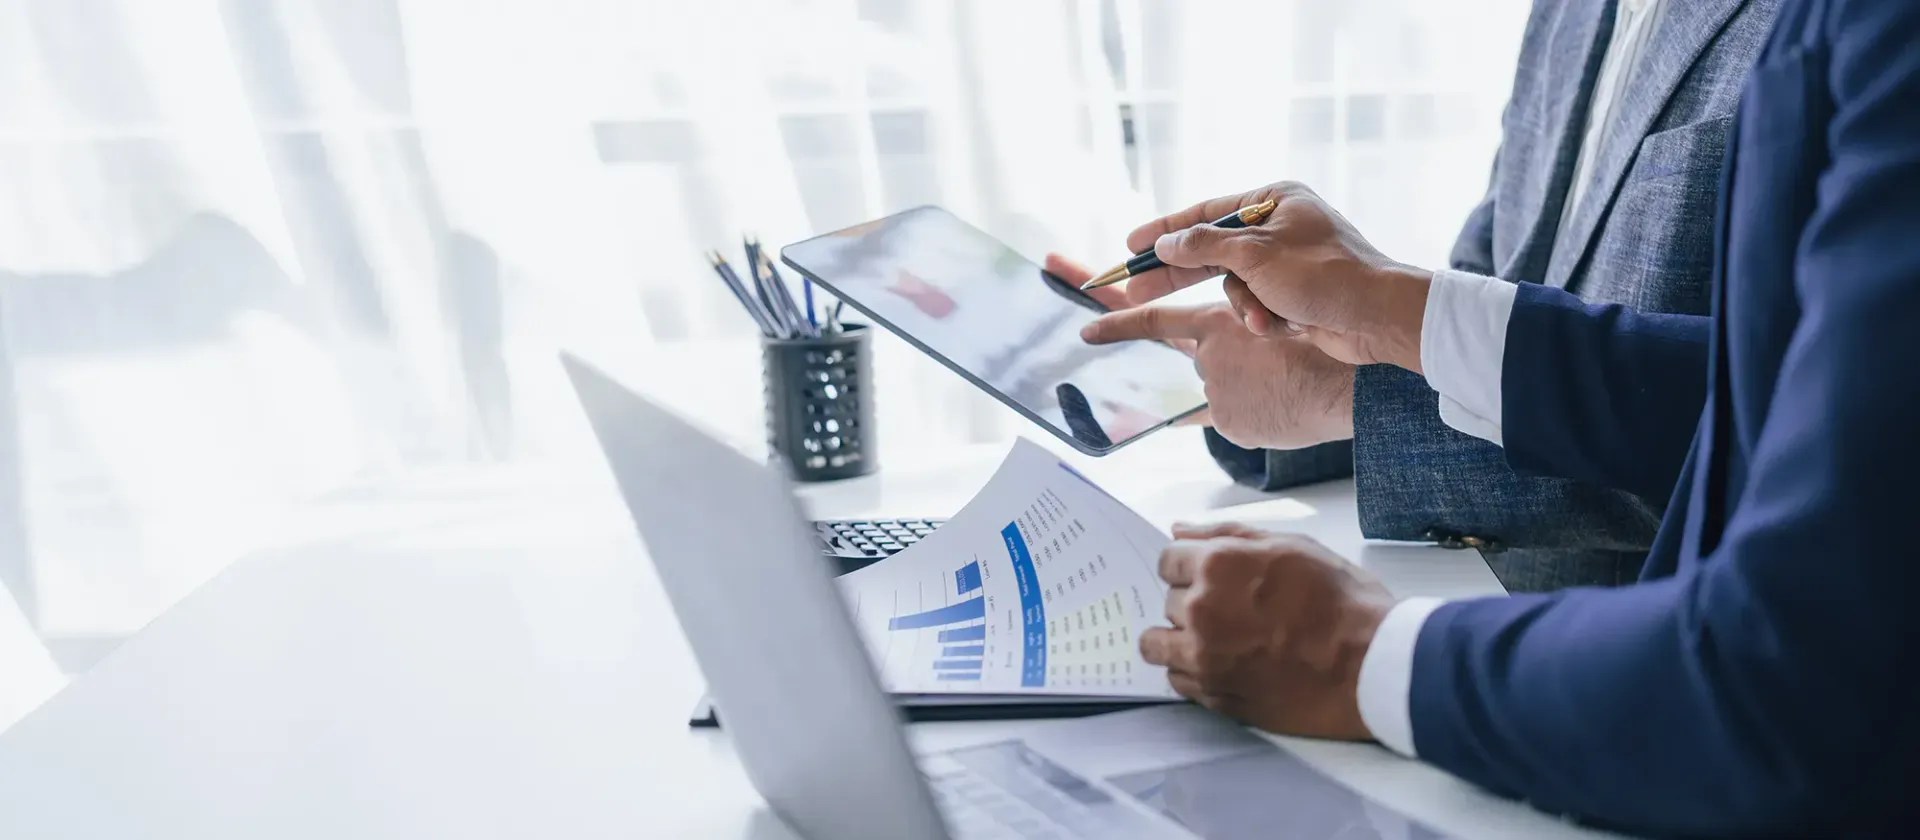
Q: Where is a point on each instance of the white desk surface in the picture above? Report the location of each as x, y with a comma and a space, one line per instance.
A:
520, 675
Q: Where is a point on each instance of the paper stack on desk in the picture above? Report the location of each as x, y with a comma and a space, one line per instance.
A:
1041, 585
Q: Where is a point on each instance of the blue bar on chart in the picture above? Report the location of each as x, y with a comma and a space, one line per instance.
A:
947, 676
958, 664
1033, 611
954, 613
973, 650
976, 633
967, 578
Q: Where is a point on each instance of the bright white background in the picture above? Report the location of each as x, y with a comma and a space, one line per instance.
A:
281, 273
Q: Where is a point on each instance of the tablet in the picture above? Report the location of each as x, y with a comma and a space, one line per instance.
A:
1010, 328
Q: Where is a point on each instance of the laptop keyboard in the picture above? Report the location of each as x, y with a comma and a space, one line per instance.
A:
1006, 790
977, 809
859, 542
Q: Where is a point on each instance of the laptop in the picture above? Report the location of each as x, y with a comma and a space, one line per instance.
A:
814, 731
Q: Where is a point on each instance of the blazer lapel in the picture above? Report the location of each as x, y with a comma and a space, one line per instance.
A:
1678, 41
1580, 28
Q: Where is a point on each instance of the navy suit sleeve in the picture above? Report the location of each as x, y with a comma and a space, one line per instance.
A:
1279, 469
1768, 689
1601, 393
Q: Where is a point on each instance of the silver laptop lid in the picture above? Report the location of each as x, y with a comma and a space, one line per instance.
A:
783, 661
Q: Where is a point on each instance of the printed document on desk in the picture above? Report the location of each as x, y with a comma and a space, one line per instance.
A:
1040, 586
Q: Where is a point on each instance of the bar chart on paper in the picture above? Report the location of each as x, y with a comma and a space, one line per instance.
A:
1045, 591
959, 629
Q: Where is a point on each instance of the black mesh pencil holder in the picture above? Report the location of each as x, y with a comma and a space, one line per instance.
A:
820, 403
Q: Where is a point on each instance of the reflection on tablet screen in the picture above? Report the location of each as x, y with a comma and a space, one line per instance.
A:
985, 309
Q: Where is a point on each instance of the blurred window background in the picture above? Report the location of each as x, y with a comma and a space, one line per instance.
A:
291, 272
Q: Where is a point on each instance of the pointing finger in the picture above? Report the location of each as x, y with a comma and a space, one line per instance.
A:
1152, 285
1160, 323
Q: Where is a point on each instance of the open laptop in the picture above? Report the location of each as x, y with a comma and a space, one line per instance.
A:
815, 732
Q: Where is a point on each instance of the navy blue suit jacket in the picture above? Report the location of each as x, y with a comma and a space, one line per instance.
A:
1760, 678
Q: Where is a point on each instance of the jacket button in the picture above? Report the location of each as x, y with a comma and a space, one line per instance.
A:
1477, 543
1456, 541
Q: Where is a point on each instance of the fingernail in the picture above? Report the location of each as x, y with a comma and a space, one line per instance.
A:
1090, 331
1293, 328
1166, 242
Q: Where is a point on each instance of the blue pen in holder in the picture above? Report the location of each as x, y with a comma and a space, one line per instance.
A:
820, 403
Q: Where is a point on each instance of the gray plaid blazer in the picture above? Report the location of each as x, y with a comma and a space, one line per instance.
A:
1642, 236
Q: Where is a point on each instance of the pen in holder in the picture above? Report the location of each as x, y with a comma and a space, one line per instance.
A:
820, 403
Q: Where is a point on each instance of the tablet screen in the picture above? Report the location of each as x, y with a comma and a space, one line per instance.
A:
986, 312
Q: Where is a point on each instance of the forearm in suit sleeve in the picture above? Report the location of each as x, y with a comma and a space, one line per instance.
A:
1601, 393
1768, 688
1418, 479
1277, 469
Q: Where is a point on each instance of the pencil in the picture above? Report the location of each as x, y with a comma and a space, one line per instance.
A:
1146, 261
764, 294
806, 288
733, 285
781, 294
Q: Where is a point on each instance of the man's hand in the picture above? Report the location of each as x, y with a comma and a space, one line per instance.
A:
1115, 298
1269, 629
1305, 270
1262, 392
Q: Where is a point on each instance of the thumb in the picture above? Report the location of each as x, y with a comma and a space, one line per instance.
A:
1200, 246
1192, 531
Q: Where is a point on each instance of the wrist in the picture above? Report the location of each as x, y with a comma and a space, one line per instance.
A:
1402, 311
1340, 403
1358, 629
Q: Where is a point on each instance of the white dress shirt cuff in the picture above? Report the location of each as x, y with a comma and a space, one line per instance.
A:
1463, 344
1386, 674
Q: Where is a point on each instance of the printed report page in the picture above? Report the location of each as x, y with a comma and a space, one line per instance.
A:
1040, 585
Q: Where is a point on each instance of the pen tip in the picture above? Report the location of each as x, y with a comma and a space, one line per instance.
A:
1106, 278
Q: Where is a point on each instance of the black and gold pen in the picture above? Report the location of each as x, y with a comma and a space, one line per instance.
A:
1146, 261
